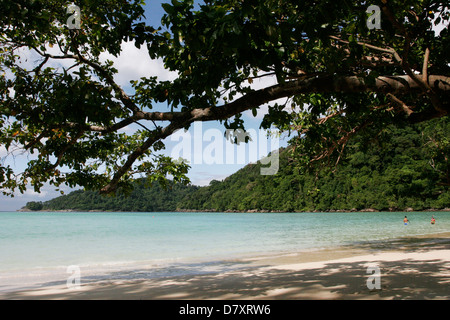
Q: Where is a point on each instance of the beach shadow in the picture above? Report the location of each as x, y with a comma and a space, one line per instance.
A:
411, 279
407, 244
405, 279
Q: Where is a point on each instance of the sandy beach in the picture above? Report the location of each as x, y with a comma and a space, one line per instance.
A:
407, 268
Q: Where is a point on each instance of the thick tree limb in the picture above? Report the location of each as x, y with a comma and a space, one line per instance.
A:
421, 81
157, 135
320, 84
317, 84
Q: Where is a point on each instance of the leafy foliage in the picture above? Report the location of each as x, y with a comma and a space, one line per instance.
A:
339, 77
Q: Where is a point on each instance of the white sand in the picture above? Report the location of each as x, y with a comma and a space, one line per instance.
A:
412, 270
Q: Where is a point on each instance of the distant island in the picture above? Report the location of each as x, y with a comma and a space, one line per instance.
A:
400, 173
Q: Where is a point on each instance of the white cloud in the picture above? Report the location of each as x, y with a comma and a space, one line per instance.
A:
134, 63
3, 151
32, 193
441, 25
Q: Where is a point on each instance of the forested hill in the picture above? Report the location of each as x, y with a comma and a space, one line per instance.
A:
409, 168
142, 198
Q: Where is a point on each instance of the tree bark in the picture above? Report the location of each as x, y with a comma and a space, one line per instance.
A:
319, 84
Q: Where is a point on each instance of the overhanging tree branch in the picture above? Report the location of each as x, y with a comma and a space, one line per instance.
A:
323, 84
403, 60
329, 62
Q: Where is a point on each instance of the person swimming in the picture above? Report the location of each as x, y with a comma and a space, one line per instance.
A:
405, 221
433, 220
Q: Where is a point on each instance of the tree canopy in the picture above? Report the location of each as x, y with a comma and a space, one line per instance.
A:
339, 77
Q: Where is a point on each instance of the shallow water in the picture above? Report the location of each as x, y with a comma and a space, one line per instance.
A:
144, 244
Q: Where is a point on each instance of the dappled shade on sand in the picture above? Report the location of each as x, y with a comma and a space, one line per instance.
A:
411, 268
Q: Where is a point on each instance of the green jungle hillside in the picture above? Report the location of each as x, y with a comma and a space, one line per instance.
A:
405, 169
141, 199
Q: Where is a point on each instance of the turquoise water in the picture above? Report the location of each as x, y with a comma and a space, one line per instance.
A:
40, 240
56, 239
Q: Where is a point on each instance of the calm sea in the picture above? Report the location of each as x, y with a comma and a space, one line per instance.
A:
36, 245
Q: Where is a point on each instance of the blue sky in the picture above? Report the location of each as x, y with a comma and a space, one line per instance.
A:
133, 64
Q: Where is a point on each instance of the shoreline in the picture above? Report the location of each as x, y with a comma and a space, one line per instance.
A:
411, 268
409, 210
316, 211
